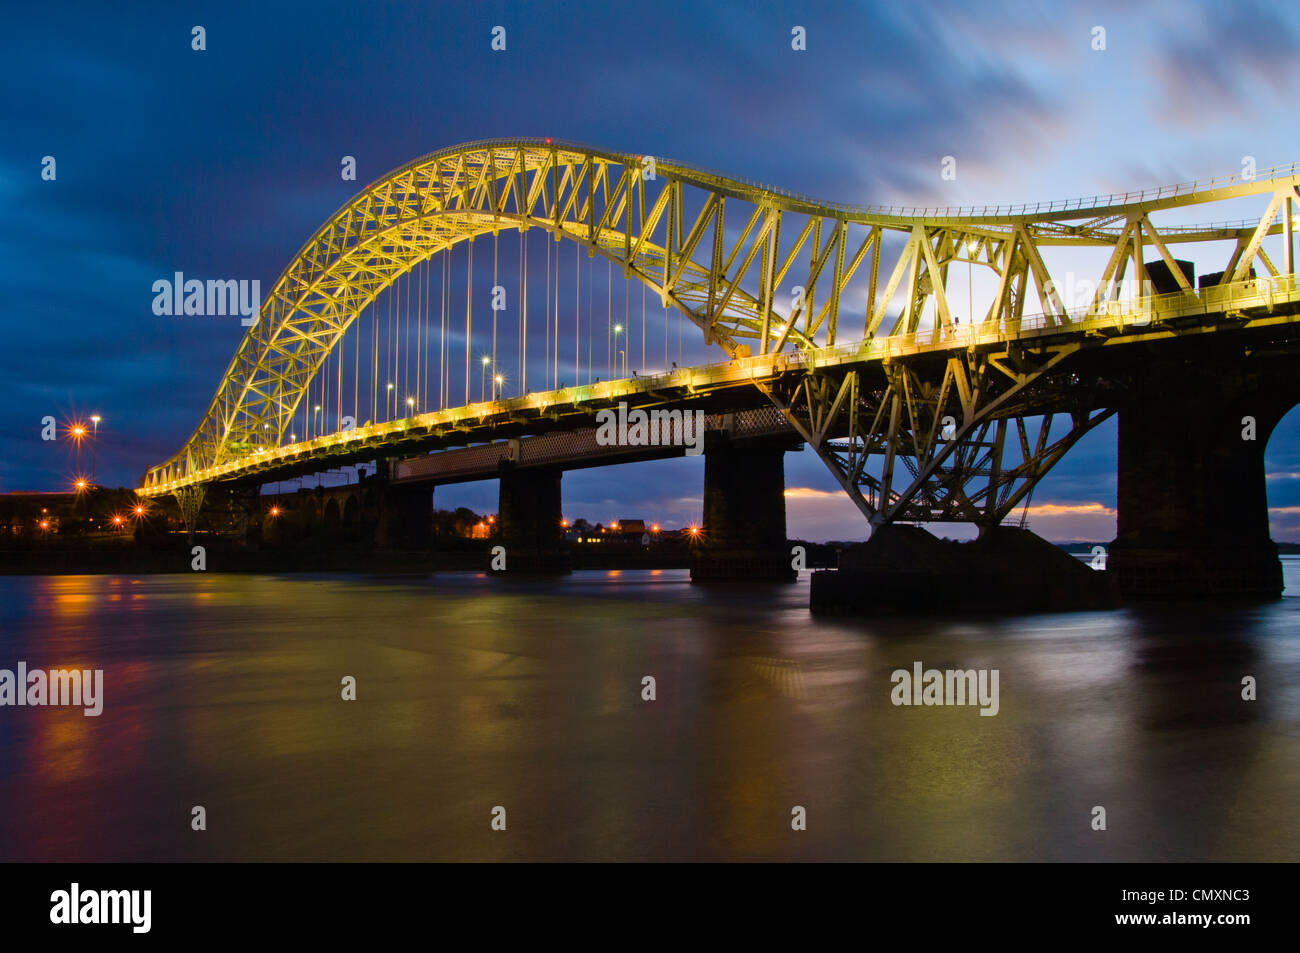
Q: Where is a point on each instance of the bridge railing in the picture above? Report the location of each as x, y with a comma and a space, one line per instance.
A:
1098, 200
1151, 310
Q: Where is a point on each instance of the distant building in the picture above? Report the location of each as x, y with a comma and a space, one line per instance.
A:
622, 533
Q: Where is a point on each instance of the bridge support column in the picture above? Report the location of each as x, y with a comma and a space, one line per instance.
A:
743, 535
528, 516
190, 501
405, 517
1193, 510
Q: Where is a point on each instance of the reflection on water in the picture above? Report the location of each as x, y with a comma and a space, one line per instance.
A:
473, 692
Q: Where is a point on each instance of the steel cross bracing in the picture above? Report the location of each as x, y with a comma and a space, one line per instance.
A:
840, 314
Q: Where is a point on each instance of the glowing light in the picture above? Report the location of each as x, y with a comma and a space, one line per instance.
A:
45, 524
695, 531
95, 419
275, 511
486, 360
80, 484
564, 524
654, 528
139, 511
117, 520
78, 431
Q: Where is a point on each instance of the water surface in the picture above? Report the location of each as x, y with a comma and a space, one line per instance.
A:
477, 692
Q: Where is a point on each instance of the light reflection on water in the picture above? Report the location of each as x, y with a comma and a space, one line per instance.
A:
475, 692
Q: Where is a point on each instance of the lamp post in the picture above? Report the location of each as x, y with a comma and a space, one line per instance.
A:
78, 432
316, 421
497, 381
482, 384
386, 405
618, 329
94, 446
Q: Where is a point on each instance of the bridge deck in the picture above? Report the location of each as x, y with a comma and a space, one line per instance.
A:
1250, 304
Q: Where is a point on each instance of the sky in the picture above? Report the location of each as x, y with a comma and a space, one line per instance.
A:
222, 162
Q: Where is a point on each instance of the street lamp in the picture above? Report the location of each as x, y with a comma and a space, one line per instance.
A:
618, 329
390, 394
496, 383
316, 424
78, 431
482, 384
94, 445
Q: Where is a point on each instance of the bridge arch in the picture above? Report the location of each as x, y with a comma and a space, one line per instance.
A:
1282, 476
646, 224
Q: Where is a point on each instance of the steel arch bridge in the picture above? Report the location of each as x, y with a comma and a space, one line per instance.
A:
842, 317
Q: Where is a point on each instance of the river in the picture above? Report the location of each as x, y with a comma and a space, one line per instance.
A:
476, 693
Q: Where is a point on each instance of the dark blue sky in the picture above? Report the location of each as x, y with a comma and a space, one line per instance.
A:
223, 162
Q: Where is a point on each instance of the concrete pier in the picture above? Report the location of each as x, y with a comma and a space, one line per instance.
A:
744, 536
904, 569
529, 512
1193, 508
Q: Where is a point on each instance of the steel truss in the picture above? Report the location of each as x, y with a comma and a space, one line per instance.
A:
760, 270
962, 440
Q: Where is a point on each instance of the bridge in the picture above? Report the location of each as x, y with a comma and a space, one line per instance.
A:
841, 327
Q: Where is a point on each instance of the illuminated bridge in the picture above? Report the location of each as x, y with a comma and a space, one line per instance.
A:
938, 360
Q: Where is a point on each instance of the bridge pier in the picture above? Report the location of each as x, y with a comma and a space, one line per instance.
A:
405, 517
1193, 508
529, 514
190, 501
744, 535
